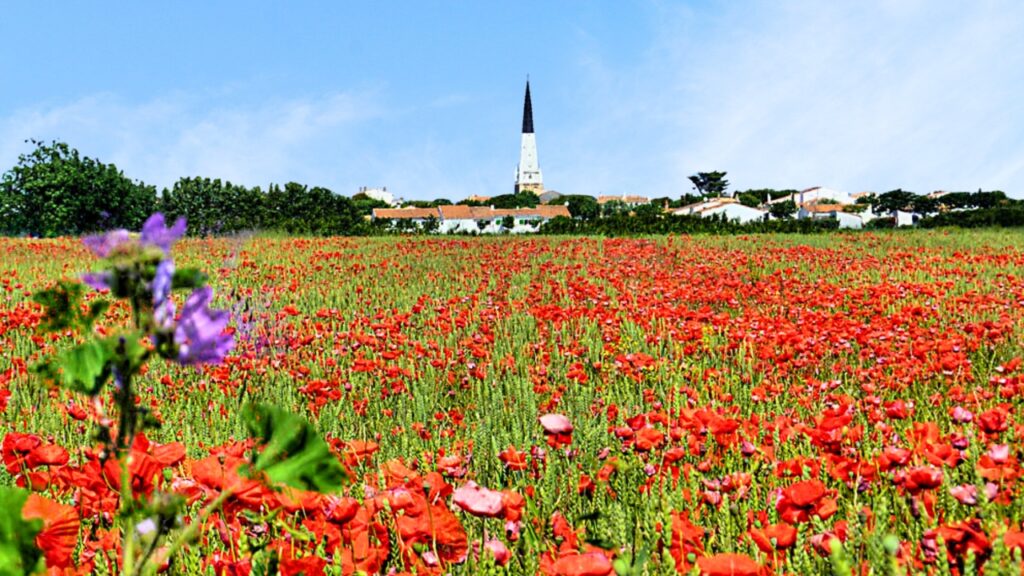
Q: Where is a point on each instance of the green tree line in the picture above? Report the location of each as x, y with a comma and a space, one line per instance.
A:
55, 191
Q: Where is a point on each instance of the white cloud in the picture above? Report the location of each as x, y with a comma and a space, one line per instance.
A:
853, 95
160, 140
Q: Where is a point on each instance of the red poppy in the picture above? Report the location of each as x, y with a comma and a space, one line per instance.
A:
805, 499
922, 478
993, 421
513, 459
687, 538
589, 564
16, 448
728, 565
771, 539
59, 535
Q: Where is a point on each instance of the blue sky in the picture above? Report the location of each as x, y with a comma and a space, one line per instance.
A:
426, 97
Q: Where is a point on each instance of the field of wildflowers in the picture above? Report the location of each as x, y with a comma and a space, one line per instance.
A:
844, 404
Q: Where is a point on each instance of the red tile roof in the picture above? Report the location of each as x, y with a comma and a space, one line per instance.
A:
400, 213
459, 212
456, 212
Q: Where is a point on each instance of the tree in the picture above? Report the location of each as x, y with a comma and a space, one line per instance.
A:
766, 194
710, 183
749, 199
510, 201
782, 210
687, 199
925, 205
364, 204
508, 222
214, 207
580, 206
988, 199
648, 212
613, 207
559, 225
431, 225
55, 191
298, 209
898, 199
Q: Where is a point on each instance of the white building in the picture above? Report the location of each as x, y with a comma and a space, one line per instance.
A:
489, 220
528, 176
847, 220
905, 218
818, 194
417, 216
378, 194
475, 219
730, 208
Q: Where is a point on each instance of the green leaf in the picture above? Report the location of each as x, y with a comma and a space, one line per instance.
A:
84, 368
87, 367
63, 307
188, 278
133, 352
18, 551
292, 452
96, 309
61, 303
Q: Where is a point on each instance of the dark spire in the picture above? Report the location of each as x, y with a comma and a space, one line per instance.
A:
527, 111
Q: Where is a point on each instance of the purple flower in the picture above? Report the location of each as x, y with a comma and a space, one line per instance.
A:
103, 244
156, 233
97, 280
199, 331
163, 306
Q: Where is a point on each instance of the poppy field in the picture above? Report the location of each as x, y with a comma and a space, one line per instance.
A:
746, 405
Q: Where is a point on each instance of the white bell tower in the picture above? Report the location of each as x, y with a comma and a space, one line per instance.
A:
528, 177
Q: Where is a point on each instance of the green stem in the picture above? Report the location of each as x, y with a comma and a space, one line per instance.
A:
125, 436
192, 530
148, 553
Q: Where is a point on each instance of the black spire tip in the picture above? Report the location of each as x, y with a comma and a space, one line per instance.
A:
527, 111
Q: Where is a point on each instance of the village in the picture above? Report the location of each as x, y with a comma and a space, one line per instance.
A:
531, 205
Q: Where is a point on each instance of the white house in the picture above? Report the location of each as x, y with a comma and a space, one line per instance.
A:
379, 194
730, 208
832, 212
475, 219
488, 220
818, 194
417, 216
905, 218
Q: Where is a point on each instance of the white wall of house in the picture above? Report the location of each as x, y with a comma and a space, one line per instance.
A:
849, 221
522, 226
736, 212
868, 215
379, 194
904, 218
821, 195
846, 220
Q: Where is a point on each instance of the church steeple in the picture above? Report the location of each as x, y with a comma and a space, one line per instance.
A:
528, 177
527, 111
